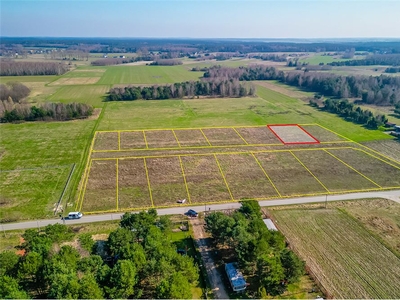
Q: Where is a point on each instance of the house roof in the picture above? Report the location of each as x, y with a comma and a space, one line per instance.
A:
235, 276
270, 225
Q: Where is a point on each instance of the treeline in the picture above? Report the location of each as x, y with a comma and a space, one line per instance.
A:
166, 62
392, 70
353, 113
16, 112
376, 59
215, 88
14, 90
379, 90
138, 261
25, 68
262, 254
111, 61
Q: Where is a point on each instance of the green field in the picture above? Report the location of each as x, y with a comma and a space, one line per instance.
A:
89, 94
347, 260
147, 75
319, 58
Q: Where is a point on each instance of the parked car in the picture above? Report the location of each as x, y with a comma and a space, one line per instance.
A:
181, 201
192, 213
75, 215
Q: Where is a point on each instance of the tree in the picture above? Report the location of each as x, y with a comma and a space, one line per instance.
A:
89, 288
9, 289
271, 274
122, 280
118, 239
175, 287
292, 265
86, 241
8, 262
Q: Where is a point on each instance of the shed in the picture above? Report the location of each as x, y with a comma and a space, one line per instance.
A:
270, 225
397, 128
235, 277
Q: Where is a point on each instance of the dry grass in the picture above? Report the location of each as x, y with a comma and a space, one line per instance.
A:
75, 81
132, 139
161, 139
244, 176
100, 191
288, 175
133, 189
258, 135
346, 259
390, 148
106, 141
190, 137
166, 180
321, 134
223, 136
204, 179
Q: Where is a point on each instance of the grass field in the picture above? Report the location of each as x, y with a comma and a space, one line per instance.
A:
89, 94
343, 255
147, 75
48, 148
319, 58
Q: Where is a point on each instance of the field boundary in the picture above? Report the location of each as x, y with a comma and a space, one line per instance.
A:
292, 125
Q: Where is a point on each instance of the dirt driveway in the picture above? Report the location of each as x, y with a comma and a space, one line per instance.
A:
213, 274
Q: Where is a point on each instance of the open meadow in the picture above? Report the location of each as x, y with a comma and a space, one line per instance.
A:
349, 248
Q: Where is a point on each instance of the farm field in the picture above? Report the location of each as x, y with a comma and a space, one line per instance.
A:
89, 94
347, 254
152, 168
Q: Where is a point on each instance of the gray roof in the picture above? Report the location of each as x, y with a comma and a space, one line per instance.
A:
270, 225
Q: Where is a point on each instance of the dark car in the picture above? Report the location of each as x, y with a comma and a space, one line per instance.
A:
192, 213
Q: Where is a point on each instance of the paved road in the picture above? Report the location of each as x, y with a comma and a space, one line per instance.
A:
392, 195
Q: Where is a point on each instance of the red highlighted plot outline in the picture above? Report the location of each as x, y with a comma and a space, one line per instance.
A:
292, 143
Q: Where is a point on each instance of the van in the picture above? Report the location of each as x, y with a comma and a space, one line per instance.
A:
75, 215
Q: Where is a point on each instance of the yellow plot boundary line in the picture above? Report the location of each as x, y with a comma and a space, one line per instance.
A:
85, 186
176, 138
119, 140
390, 164
85, 174
347, 165
206, 137
145, 140
266, 175
148, 182
223, 176
240, 135
117, 183
184, 179
316, 178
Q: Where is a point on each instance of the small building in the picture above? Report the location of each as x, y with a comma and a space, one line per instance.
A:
236, 278
270, 225
390, 125
397, 128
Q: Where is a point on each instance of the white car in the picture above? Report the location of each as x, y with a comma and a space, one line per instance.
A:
181, 201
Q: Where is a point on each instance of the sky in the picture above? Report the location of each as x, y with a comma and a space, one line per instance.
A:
201, 18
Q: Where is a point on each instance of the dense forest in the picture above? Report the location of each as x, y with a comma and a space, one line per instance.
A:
262, 254
137, 261
371, 60
379, 90
392, 70
25, 68
213, 88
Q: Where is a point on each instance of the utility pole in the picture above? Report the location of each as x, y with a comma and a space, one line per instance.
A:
326, 201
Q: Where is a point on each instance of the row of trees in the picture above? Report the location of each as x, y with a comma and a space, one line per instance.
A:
16, 112
25, 68
166, 62
262, 254
16, 90
392, 70
371, 60
353, 113
140, 262
111, 61
214, 88
380, 90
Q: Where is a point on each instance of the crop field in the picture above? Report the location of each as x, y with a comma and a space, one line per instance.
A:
90, 94
345, 258
138, 169
147, 75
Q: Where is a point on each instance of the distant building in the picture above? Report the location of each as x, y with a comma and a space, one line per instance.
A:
390, 125
270, 225
397, 128
236, 278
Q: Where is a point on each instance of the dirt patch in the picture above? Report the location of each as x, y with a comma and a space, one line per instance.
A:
132, 140
292, 134
258, 135
222, 136
190, 137
106, 141
161, 139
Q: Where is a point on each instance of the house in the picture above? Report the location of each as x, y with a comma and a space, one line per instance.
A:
270, 225
236, 278
397, 128
389, 125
